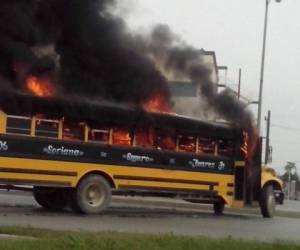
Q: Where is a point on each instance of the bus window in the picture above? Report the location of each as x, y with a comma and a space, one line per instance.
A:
187, 143
99, 135
46, 128
144, 138
18, 125
166, 140
73, 131
225, 147
121, 136
207, 145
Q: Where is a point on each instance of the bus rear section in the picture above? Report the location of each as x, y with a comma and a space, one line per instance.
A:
83, 157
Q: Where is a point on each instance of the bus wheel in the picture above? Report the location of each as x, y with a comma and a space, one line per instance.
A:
267, 202
92, 195
50, 198
219, 208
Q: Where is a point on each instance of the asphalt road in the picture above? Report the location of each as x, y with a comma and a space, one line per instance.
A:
17, 209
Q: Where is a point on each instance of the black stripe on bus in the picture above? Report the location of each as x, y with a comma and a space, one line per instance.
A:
38, 172
179, 181
35, 182
230, 185
110, 163
163, 189
33, 148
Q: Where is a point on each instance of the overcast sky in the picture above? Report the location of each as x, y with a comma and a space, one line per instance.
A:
234, 30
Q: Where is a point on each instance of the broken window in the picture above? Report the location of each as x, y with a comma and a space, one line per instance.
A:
73, 131
99, 135
122, 136
144, 137
187, 143
18, 125
225, 147
46, 128
166, 139
207, 145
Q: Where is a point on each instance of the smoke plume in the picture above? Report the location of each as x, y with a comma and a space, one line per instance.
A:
83, 49
182, 60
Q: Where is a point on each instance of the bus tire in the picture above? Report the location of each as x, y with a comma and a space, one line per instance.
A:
267, 202
219, 208
91, 196
50, 198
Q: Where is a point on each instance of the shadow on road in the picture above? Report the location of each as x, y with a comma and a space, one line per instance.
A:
123, 212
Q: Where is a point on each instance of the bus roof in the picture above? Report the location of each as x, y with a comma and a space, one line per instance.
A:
84, 110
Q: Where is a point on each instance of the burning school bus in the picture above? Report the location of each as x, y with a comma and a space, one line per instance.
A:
78, 154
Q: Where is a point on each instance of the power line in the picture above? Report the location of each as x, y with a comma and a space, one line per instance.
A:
284, 127
285, 142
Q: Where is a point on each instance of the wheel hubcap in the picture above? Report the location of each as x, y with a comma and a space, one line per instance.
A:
95, 195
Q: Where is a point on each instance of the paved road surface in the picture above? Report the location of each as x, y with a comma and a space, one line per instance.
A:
291, 206
19, 209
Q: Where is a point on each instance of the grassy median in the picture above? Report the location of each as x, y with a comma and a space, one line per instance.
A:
45, 239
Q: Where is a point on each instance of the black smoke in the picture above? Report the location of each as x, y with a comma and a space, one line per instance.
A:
88, 51
21, 34
182, 60
93, 54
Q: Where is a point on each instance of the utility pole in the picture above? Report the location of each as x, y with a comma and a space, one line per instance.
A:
267, 151
240, 82
289, 186
262, 70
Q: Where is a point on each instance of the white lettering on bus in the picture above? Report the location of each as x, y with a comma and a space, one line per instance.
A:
221, 165
137, 158
62, 151
195, 163
3, 146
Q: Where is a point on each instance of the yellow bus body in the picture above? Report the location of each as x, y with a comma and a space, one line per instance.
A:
68, 174
31, 171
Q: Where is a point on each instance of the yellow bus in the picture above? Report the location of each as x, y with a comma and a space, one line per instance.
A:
79, 154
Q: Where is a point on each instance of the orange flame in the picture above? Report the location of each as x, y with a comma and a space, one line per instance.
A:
187, 144
249, 143
121, 137
145, 138
40, 86
244, 146
158, 104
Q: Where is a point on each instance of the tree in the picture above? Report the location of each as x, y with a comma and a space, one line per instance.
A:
290, 172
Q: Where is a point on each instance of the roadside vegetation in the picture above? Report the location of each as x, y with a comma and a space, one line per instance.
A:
45, 239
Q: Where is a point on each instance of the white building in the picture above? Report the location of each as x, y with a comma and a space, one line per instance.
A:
186, 95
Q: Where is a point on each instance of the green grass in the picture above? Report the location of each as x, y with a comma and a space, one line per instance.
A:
45, 239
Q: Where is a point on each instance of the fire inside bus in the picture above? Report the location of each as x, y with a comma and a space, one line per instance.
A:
79, 154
